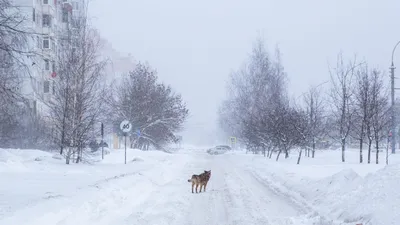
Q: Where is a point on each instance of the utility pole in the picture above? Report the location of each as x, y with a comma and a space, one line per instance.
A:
393, 119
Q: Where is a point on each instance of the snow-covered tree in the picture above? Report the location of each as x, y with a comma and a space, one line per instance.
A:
152, 108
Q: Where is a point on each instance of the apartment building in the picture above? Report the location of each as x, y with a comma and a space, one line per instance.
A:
46, 19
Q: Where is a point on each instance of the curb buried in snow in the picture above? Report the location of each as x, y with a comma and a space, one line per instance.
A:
281, 189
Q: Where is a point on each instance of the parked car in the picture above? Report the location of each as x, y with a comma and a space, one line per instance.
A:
223, 147
218, 150
94, 146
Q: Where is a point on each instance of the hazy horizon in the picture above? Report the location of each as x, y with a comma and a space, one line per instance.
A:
195, 45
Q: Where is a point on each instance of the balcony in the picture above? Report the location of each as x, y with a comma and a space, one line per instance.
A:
48, 31
67, 5
49, 9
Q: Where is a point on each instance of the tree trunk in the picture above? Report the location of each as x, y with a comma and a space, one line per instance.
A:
298, 159
387, 152
369, 149
64, 123
313, 149
286, 153
361, 146
343, 149
277, 157
264, 151
68, 156
377, 151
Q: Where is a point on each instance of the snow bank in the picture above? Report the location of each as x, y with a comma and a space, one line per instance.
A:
16, 160
375, 200
350, 195
44, 185
351, 198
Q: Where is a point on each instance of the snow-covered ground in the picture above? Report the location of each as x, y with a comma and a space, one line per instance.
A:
152, 188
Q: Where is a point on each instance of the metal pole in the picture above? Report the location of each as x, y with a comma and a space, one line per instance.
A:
102, 141
125, 148
393, 122
387, 152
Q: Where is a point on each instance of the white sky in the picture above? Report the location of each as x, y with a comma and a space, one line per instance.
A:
195, 44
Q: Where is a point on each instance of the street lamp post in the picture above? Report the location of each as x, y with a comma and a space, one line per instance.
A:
393, 120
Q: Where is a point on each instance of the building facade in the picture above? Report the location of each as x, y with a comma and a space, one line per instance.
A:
46, 20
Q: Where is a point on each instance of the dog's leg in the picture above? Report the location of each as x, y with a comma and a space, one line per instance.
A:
197, 185
205, 185
192, 186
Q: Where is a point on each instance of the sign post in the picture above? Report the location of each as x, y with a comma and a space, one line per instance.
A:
125, 126
233, 142
138, 133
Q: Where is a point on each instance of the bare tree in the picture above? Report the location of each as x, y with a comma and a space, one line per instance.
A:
342, 99
315, 111
371, 107
255, 93
77, 102
363, 114
302, 130
380, 111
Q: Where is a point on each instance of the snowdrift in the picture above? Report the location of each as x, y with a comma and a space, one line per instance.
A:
346, 196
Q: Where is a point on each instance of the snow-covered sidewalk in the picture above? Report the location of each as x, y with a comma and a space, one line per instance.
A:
49, 192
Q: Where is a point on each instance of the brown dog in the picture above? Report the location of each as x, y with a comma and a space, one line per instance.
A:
201, 179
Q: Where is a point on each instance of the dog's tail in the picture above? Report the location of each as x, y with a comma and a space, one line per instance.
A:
190, 180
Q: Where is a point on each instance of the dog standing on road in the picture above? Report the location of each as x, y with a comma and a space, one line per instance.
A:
201, 179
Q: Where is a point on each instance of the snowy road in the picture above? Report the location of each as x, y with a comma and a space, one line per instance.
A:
160, 194
235, 197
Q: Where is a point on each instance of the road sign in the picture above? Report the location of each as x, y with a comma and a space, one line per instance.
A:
125, 126
233, 142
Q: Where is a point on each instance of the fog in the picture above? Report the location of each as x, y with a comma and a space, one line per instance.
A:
195, 45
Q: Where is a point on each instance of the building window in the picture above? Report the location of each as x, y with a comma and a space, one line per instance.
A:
75, 5
34, 107
46, 86
74, 23
73, 54
37, 41
46, 64
37, 19
46, 43
65, 15
46, 2
54, 87
33, 15
46, 20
